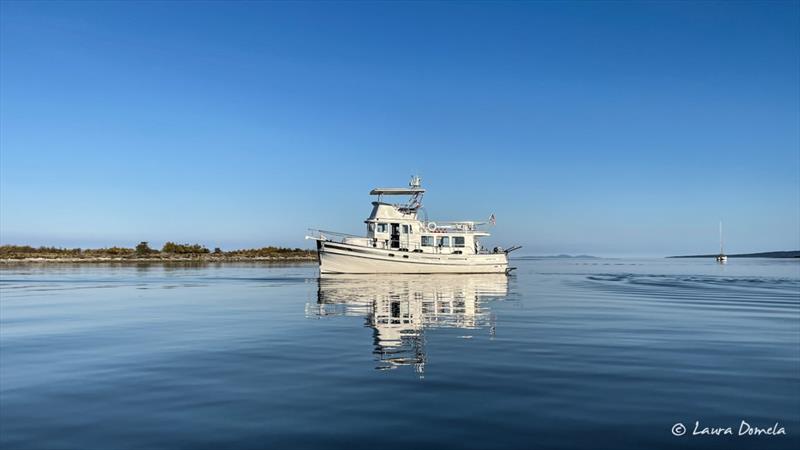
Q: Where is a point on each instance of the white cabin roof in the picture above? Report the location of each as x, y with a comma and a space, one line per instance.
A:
397, 191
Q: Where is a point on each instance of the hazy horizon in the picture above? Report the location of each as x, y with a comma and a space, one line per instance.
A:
525, 251
607, 129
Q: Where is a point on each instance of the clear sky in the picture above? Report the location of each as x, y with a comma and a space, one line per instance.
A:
605, 128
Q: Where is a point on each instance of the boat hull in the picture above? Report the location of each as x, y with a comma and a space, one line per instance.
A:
335, 257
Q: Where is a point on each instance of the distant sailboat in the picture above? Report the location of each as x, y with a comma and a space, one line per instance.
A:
721, 258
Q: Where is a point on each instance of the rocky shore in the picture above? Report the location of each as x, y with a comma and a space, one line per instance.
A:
161, 259
142, 253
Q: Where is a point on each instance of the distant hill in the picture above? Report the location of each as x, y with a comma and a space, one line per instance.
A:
789, 254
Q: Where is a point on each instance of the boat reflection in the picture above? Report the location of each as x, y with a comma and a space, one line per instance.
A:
399, 308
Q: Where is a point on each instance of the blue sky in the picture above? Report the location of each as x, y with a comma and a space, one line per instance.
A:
605, 128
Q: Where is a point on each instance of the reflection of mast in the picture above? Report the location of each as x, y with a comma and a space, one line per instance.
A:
399, 309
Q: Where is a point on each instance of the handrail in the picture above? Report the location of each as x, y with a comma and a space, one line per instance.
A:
335, 233
440, 230
464, 222
457, 227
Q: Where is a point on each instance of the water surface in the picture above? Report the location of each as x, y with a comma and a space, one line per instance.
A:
589, 353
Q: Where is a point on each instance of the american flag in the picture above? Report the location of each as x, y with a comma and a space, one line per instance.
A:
492, 219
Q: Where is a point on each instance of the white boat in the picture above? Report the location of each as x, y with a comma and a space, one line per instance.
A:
399, 241
721, 258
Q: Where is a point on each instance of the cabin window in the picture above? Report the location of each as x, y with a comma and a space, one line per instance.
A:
405, 229
427, 241
371, 227
444, 241
458, 241
382, 228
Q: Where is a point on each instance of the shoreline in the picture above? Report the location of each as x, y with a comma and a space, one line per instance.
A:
175, 259
142, 254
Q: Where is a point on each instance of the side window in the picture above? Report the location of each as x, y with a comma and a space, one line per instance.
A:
381, 228
371, 227
427, 241
405, 229
458, 241
444, 241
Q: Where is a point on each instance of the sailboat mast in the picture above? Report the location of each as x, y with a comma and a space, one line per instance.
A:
720, 238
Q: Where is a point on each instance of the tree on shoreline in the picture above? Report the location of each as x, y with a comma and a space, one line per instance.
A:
143, 249
171, 247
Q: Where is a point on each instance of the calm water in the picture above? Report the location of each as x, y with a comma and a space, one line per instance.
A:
564, 354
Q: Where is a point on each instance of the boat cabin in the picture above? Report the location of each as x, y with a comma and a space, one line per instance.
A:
397, 226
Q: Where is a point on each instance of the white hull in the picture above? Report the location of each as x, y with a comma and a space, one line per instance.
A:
335, 257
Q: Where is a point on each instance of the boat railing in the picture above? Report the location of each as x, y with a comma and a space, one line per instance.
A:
452, 227
465, 224
327, 233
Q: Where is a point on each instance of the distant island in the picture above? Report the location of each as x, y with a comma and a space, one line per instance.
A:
787, 254
170, 252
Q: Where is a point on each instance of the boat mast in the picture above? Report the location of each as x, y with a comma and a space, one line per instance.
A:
720, 238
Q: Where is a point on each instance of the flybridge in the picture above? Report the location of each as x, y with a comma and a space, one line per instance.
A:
414, 189
397, 191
